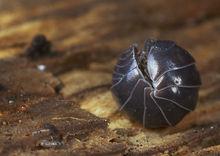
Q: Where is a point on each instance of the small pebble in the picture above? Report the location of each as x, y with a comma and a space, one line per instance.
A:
41, 67
50, 144
11, 101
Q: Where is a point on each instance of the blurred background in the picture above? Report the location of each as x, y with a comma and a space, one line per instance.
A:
90, 33
87, 36
109, 24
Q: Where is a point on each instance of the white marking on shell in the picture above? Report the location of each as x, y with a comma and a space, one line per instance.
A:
177, 68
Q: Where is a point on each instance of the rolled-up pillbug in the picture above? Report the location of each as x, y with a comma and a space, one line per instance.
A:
158, 85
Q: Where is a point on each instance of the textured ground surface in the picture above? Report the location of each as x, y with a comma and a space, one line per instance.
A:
70, 103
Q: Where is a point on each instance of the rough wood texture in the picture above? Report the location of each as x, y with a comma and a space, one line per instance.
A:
70, 103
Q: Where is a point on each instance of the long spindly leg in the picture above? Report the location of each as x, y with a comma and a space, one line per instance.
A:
131, 94
117, 83
121, 77
188, 65
189, 86
145, 107
181, 86
115, 80
116, 77
164, 115
174, 102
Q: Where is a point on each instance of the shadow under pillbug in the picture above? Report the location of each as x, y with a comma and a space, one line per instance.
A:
157, 86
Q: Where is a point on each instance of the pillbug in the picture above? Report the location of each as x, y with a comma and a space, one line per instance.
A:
158, 85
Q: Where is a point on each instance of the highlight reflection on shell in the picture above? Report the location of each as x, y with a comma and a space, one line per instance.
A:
157, 86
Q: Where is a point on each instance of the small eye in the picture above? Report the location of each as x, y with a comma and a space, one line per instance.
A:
177, 80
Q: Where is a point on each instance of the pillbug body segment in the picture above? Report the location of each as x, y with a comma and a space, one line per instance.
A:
157, 86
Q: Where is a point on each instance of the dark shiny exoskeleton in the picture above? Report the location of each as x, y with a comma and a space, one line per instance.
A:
158, 85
